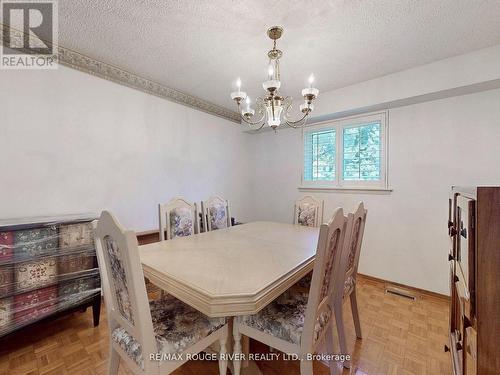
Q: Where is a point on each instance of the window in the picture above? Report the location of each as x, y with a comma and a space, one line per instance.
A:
348, 153
361, 152
319, 155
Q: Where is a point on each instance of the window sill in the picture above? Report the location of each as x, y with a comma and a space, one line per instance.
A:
351, 189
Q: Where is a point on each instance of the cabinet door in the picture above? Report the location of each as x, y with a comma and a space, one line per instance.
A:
454, 310
453, 224
466, 240
470, 351
452, 232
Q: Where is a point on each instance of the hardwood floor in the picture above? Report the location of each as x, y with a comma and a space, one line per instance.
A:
400, 336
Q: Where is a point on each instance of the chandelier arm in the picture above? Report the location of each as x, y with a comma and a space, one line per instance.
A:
295, 126
298, 124
292, 123
288, 106
250, 122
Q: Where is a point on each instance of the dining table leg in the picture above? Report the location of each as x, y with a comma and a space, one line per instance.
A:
245, 348
247, 367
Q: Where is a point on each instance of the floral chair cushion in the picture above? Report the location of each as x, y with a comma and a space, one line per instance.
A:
307, 215
305, 283
119, 279
181, 222
176, 325
284, 319
218, 216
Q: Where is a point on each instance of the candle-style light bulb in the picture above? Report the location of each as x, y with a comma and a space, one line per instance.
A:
270, 71
311, 80
238, 95
248, 102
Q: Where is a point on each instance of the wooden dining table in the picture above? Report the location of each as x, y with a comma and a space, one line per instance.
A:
233, 271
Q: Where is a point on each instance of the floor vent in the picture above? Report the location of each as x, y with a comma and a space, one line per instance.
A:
397, 291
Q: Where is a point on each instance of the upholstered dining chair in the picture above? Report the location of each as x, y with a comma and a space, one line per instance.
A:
358, 219
308, 211
353, 245
140, 329
215, 213
301, 324
178, 218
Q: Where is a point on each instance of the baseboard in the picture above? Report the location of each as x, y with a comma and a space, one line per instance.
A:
412, 288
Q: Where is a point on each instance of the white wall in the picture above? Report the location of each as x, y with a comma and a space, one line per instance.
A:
71, 142
432, 146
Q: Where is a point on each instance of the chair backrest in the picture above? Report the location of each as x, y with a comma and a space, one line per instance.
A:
325, 281
308, 211
178, 218
358, 219
123, 282
215, 213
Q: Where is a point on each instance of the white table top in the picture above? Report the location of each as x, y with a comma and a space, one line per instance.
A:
232, 271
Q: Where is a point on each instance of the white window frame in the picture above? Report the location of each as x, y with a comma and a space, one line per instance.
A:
339, 125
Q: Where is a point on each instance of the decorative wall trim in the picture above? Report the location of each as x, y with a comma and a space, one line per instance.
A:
112, 73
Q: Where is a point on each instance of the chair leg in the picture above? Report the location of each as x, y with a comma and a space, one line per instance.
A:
114, 362
333, 365
339, 320
355, 313
306, 367
237, 348
222, 355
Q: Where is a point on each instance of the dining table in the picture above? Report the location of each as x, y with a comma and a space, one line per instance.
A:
233, 271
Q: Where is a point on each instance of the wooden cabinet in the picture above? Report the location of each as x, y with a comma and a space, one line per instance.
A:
474, 256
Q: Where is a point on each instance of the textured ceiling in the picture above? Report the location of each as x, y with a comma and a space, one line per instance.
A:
201, 46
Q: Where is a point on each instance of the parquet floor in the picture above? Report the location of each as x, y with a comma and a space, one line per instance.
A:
400, 336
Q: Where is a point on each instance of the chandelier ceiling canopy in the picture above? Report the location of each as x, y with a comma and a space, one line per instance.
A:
273, 108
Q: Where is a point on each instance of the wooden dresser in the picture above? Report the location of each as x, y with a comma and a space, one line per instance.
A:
48, 268
474, 230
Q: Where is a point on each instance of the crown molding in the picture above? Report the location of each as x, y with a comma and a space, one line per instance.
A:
112, 73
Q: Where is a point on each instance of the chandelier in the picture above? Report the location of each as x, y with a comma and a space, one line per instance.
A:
273, 108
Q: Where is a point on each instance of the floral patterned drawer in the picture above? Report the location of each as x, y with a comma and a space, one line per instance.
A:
71, 264
34, 305
6, 280
5, 313
36, 274
75, 235
76, 291
30, 243
6, 244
